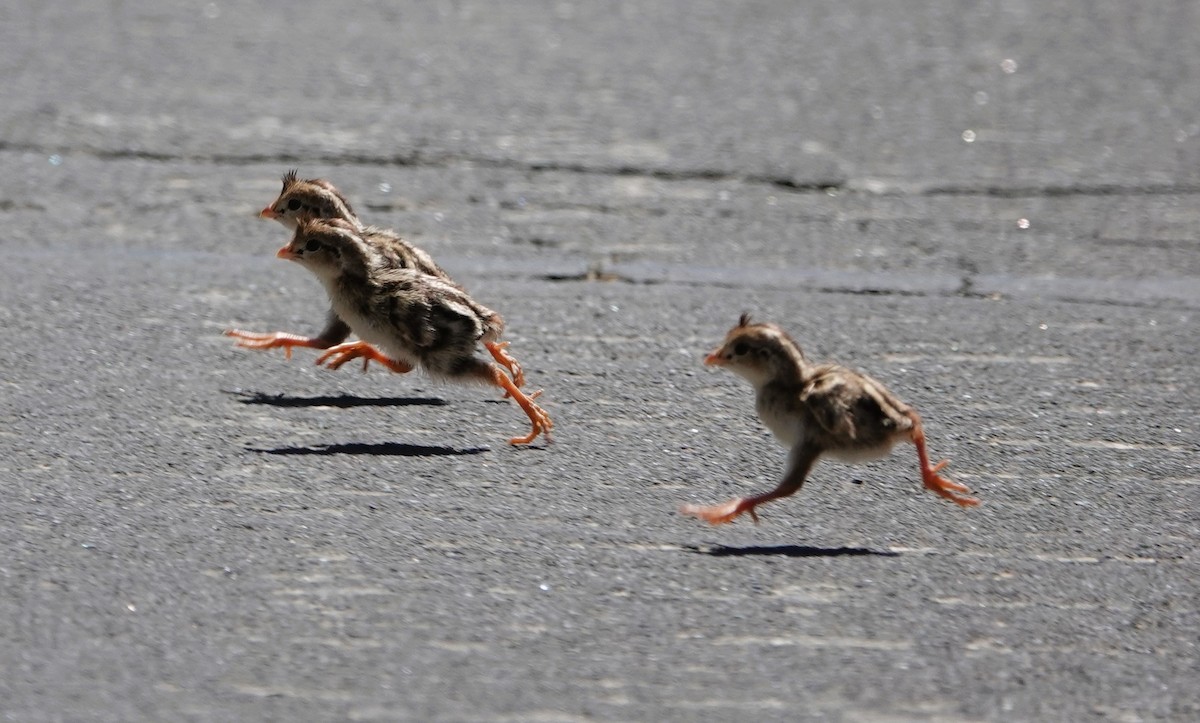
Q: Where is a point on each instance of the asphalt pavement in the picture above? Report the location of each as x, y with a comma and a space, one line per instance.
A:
992, 207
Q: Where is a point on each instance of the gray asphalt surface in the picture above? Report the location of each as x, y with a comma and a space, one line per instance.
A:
992, 207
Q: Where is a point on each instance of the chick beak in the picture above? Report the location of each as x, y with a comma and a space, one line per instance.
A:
714, 359
267, 212
286, 252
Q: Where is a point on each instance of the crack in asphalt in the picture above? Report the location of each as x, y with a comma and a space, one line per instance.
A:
1118, 292
422, 159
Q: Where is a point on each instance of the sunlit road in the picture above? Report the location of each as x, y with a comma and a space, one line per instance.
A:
993, 209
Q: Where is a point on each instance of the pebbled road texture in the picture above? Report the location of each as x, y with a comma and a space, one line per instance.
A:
993, 208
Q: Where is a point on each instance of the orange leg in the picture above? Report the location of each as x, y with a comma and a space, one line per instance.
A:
537, 416
802, 461
254, 340
507, 361
930, 476
726, 511
343, 353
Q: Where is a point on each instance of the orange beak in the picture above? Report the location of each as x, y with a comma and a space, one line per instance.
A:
267, 212
286, 253
714, 359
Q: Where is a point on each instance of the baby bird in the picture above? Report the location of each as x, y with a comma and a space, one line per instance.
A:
404, 317
318, 198
815, 410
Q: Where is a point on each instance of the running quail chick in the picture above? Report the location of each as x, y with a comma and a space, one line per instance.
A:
405, 319
317, 198
816, 410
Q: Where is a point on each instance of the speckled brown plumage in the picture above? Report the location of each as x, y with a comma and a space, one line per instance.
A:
403, 318
302, 198
816, 410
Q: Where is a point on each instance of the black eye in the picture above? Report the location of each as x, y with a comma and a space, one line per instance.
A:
312, 245
294, 204
740, 348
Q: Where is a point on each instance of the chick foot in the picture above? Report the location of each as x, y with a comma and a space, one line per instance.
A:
944, 487
350, 351
537, 416
722, 513
262, 342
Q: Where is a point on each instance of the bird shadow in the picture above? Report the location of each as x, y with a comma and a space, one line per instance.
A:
342, 401
788, 551
385, 449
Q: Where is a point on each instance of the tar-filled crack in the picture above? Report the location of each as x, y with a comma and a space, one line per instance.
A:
1059, 191
966, 289
594, 275
423, 159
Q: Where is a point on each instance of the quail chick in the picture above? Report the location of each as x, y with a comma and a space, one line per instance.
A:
816, 410
317, 198
406, 318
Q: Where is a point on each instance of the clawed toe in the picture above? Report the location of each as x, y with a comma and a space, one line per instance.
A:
945, 488
941, 481
264, 341
336, 356
720, 514
542, 424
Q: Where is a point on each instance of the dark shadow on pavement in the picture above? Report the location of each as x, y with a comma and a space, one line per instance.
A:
385, 449
343, 401
789, 551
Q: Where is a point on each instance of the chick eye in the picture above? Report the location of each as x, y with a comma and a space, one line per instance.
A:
312, 245
740, 348
294, 204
